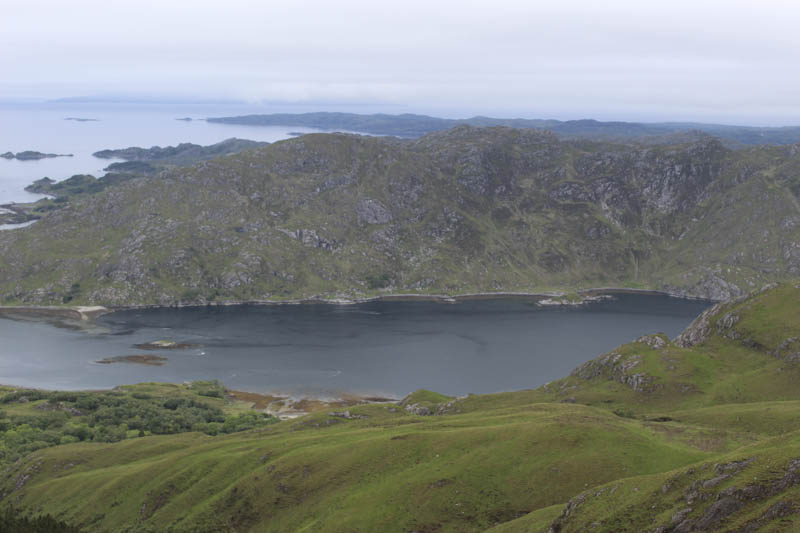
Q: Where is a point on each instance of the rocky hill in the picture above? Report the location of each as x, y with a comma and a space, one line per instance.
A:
460, 211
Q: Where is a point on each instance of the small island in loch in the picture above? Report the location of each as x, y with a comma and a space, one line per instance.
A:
31, 155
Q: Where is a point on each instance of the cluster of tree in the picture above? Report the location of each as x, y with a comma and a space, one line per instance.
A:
112, 416
12, 520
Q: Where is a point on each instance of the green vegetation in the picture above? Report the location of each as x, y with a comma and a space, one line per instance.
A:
12, 521
702, 431
33, 419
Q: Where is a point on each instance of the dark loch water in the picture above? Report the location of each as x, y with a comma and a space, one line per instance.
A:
382, 348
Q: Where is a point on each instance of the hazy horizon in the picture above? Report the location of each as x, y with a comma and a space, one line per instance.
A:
729, 62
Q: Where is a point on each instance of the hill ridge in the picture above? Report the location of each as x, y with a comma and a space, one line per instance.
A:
463, 211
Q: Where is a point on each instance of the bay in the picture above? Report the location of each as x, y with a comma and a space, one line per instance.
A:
377, 348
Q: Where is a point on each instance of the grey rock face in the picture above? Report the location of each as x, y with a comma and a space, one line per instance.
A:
570, 191
699, 330
791, 254
417, 409
653, 341
336, 182
725, 326
711, 286
618, 368
373, 212
788, 350
310, 238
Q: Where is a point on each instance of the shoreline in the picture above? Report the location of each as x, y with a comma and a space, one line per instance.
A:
81, 313
587, 296
548, 299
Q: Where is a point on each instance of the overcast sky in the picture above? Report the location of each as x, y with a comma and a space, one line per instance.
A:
727, 61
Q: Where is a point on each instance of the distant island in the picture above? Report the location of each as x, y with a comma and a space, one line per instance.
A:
413, 126
185, 119
79, 119
30, 155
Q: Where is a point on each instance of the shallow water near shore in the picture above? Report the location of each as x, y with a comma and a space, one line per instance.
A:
376, 348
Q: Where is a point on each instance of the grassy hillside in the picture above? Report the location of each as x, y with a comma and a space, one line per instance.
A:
704, 429
462, 211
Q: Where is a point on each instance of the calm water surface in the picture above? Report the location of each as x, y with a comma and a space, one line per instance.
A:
384, 348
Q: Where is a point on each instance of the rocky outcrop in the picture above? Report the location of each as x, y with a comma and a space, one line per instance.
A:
699, 330
729, 501
704, 498
616, 367
788, 350
725, 324
309, 237
710, 285
373, 212
657, 341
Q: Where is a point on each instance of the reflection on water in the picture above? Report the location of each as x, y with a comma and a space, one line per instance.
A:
380, 348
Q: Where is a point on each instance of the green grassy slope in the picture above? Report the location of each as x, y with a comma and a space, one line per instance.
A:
756, 488
390, 471
664, 423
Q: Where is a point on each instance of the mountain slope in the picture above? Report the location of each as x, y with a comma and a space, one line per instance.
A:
462, 211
